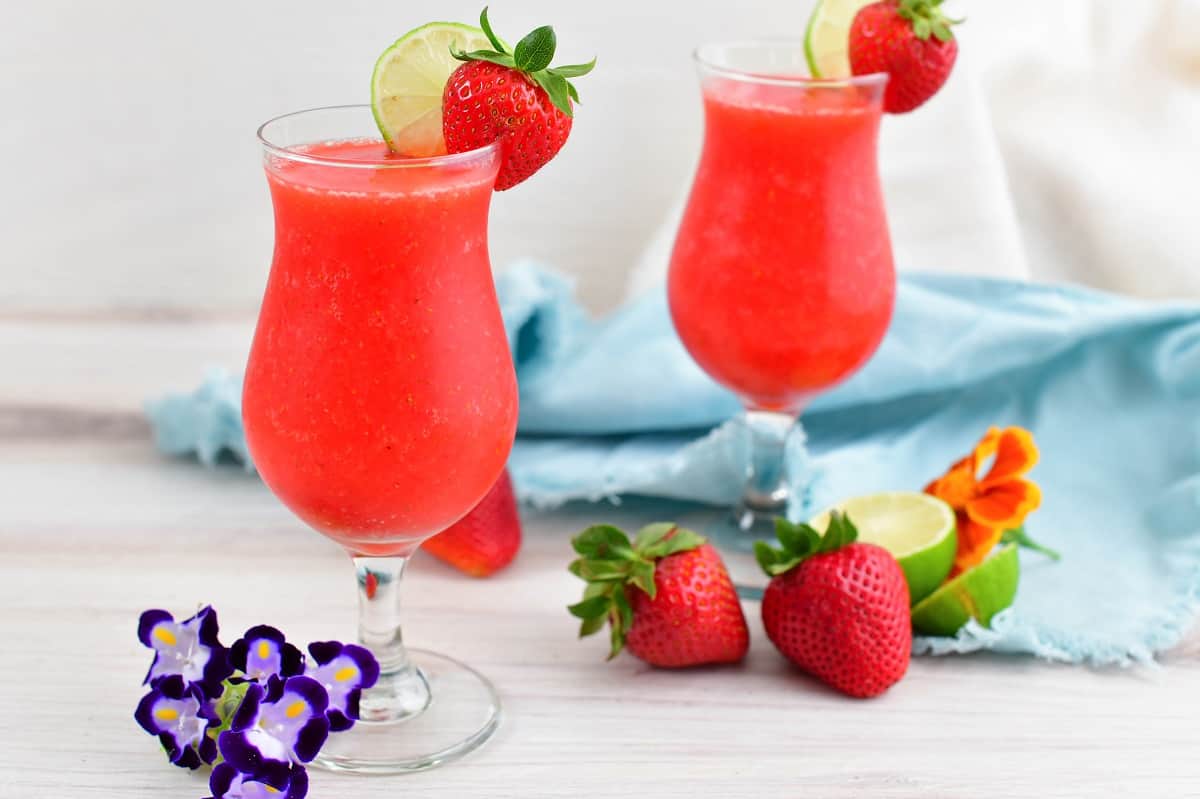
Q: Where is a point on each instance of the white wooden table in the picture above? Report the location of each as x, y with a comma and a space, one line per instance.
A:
95, 526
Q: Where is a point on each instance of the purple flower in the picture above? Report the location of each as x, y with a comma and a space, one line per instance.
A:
229, 783
344, 670
275, 726
188, 649
263, 653
181, 716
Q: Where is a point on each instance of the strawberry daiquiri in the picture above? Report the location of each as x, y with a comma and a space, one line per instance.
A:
781, 282
380, 400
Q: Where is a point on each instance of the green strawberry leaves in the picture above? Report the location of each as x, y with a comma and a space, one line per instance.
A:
486, 26
503, 59
535, 52
612, 565
657, 541
798, 542
928, 19
575, 70
591, 608
532, 56
602, 541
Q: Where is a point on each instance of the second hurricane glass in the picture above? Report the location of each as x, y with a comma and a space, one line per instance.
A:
380, 402
781, 282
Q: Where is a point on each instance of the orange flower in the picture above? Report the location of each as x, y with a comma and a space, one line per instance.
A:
999, 500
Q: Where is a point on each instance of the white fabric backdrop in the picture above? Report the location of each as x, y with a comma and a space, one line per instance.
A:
1067, 145
1096, 105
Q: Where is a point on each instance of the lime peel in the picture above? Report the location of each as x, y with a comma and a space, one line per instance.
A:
978, 593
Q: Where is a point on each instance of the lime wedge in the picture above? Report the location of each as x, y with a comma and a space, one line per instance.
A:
827, 39
978, 593
407, 85
919, 530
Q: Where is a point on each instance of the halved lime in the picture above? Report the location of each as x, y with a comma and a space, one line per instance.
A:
978, 593
827, 39
918, 529
408, 82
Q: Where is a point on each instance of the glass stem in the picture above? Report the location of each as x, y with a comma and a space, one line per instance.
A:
766, 491
402, 690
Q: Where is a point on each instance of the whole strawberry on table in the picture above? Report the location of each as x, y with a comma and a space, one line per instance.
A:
666, 596
485, 540
837, 608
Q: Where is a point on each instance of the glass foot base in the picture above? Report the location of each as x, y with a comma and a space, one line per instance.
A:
734, 536
463, 714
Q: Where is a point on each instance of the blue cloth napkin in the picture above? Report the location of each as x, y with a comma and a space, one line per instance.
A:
1110, 386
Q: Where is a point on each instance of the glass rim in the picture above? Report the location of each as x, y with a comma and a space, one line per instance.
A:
701, 57
291, 154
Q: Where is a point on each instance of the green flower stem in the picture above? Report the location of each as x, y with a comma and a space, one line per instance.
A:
1022, 539
227, 706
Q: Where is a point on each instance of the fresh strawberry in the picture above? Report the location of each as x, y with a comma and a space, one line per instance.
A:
515, 97
485, 540
836, 608
667, 596
912, 42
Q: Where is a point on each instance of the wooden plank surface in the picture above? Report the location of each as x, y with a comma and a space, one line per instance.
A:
95, 526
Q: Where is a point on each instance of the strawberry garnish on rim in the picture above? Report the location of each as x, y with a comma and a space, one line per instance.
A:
516, 97
910, 40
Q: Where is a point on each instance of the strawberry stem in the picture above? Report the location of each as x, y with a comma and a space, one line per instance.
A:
928, 19
532, 57
799, 542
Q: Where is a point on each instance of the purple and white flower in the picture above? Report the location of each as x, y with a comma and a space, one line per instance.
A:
181, 716
276, 726
344, 670
260, 707
227, 782
188, 649
263, 653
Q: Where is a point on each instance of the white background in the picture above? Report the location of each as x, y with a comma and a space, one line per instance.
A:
129, 175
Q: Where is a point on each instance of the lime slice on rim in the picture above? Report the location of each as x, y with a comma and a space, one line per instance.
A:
918, 529
407, 85
978, 593
827, 39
